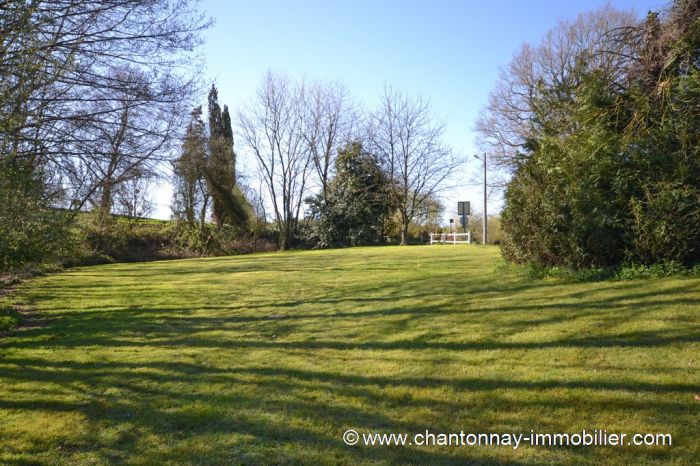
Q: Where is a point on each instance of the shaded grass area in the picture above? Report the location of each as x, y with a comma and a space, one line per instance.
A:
9, 318
269, 358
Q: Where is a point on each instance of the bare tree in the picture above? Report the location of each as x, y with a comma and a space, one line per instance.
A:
62, 64
513, 114
330, 119
272, 128
128, 140
132, 198
409, 144
258, 217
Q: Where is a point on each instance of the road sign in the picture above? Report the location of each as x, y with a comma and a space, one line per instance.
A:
464, 208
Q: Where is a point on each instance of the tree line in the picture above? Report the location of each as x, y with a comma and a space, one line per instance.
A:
327, 173
97, 102
598, 126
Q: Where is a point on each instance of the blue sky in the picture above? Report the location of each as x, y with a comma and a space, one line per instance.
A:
445, 50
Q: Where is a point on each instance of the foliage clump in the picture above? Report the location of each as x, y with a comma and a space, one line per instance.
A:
351, 211
607, 170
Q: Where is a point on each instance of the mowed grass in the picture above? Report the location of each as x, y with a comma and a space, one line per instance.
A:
268, 359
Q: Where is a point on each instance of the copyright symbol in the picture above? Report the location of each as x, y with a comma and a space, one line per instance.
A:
351, 437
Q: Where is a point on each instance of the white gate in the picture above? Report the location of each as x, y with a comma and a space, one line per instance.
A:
451, 238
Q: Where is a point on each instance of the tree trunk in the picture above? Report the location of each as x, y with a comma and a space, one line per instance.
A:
203, 213
283, 241
404, 234
105, 202
284, 235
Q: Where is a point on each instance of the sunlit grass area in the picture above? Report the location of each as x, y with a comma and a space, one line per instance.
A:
269, 358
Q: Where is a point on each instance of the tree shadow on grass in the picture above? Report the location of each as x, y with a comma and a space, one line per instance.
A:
176, 327
148, 405
248, 414
269, 415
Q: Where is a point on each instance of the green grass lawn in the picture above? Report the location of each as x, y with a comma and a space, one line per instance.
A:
269, 358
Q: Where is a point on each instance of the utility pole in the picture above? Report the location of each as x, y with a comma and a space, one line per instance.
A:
485, 230
486, 214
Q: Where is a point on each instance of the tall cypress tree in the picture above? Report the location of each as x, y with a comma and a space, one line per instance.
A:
228, 203
227, 133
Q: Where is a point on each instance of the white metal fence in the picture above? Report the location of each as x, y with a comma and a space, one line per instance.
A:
451, 238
